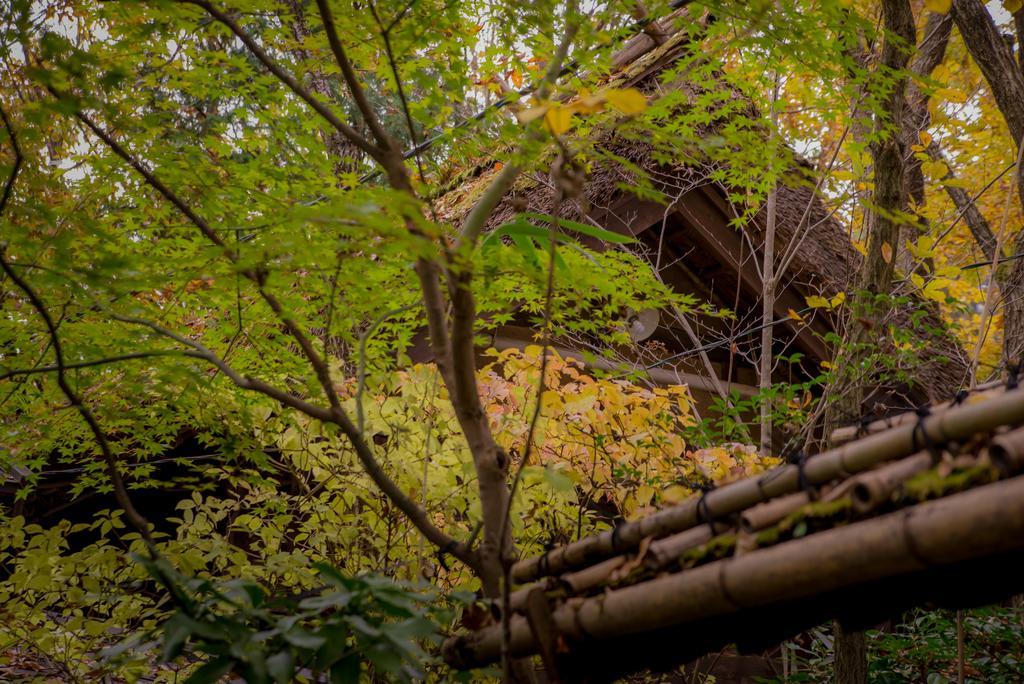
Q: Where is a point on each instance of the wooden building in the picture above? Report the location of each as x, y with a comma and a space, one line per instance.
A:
699, 251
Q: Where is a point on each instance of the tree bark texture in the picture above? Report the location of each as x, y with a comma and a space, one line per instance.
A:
889, 200
1005, 78
930, 54
851, 655
346, 155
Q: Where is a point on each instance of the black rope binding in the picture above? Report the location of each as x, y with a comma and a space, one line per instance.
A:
799, 459
926, 441
544, 564
703, 511
760, 488
615, 537
1013, 376
865, 422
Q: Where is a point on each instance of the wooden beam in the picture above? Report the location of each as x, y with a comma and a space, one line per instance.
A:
707, 220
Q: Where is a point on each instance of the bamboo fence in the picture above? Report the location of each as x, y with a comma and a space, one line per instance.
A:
959, 422
980, 522
617, 585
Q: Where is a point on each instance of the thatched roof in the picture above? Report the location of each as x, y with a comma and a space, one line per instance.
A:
825, 263
858, 533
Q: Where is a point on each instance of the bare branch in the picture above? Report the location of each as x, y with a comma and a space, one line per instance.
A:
134, 518
986, 311
18, 372
348, 73
9, 185
334, 416
385, 34
506, 586
350, 133
966, 206
475, 221
256, 276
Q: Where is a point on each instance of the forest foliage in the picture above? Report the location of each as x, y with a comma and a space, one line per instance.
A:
227, 234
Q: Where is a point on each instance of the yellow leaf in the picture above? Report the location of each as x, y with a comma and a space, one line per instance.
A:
887, 252
935, 290
924, 248
674, 494
934, 169
525, 116
644, 494
586, 103
558, 120
1013, 6
957, 183
794, 316
940, 6
826, 365
925, 137
816, 302
627, 100
952, 94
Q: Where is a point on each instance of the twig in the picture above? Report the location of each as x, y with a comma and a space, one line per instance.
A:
506, 588
385, 34
391, 490
350, 133
477, 217
135, 519
989, 295
120, 491
335, 414
257, 276
17, 372
9, 185
348, 73
361, 382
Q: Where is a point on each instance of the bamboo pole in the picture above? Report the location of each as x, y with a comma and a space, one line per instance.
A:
956, 423
642, 43
771, 512
980, 522
848, 433
1007, 452
659, 554
875, 487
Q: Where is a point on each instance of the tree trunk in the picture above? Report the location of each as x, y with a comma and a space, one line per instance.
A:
888, 200
1005, 78
930, 54
851, 654
769, 284
346, 156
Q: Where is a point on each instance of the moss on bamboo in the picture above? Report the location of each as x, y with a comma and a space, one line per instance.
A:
808, 519
933, 484
722, 546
